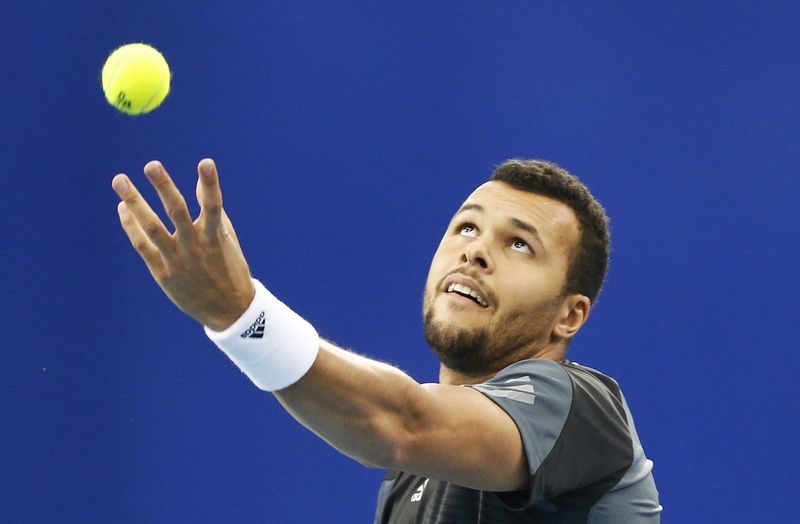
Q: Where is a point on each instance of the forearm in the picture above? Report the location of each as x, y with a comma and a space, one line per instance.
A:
360, 406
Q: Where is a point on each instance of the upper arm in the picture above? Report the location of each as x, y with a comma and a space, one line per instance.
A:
459, 435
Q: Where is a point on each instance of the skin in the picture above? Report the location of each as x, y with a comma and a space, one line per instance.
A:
513, 248
368, 410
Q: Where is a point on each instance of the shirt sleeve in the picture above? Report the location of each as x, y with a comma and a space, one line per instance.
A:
574, 431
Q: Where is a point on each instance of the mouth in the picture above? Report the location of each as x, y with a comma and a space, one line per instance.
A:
467, 292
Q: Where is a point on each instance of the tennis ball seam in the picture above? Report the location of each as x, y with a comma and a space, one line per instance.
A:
113, 80
146, 107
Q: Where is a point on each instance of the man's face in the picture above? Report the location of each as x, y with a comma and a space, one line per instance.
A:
494, 290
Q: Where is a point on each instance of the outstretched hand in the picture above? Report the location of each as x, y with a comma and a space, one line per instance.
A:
200, 266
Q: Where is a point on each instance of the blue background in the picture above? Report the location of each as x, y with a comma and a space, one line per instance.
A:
346, 134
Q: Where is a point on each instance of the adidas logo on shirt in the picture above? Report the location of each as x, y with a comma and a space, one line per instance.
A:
256, 329
417, 496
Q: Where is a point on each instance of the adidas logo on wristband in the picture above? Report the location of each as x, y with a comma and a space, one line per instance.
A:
273, 358
256, 329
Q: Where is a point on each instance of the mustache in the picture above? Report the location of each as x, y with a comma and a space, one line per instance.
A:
474, 275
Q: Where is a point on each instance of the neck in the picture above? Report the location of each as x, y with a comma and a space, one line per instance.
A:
456, 378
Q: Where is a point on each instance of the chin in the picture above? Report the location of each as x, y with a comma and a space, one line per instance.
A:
458, 348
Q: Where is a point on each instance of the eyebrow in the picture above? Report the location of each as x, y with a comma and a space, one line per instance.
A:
517, 223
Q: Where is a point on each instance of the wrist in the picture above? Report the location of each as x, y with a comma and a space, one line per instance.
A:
270, 343
226, 319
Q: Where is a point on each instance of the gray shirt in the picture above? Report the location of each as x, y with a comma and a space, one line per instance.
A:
586, 462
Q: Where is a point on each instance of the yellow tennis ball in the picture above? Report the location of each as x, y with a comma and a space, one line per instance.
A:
136, 78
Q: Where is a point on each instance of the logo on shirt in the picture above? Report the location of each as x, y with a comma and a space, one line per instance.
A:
417, 496
517, 388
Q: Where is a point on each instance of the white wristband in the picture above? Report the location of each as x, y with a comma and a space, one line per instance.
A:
271, 344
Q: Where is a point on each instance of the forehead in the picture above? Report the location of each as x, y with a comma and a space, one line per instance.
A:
555, 221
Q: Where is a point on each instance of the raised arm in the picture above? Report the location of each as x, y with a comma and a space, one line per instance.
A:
368, 410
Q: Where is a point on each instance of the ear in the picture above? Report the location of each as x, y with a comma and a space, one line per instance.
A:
574, 312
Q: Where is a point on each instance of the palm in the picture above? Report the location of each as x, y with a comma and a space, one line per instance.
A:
200, 266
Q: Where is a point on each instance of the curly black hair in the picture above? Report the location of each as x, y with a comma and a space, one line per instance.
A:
589, 261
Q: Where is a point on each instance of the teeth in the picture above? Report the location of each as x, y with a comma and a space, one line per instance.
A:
464, 290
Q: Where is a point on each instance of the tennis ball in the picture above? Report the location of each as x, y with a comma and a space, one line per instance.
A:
135, 78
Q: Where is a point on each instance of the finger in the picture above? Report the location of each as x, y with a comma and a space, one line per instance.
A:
227, 229
171, 198
146, 249
209, 195
147, 220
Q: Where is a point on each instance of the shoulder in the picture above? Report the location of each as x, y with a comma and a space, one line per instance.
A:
550, 399
596, 390
586, 373
560, 370
528, 381
540, 368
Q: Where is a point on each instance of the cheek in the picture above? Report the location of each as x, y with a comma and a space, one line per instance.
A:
443, 262
529, 292
515, 297
434, 275
440, 263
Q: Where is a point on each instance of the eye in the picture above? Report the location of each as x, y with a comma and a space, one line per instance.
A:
521, 246
468, 230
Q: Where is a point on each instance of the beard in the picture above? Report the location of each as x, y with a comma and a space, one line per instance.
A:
482, 350
459, 349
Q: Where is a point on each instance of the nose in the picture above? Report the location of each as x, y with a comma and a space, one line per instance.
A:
476, 253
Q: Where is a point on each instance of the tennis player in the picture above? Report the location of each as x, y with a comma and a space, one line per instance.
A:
513, 431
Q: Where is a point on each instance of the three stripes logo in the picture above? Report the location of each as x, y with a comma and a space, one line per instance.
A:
515, 388
256, 329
